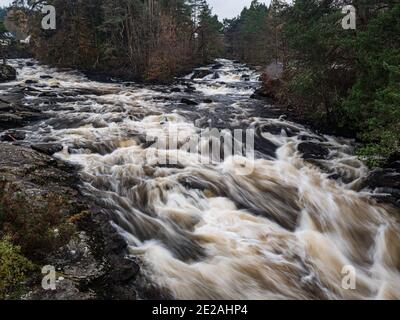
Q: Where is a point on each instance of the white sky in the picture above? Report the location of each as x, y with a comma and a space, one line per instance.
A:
230, 8
223, 8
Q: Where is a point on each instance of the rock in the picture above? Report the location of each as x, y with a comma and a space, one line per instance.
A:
383, 178
124, 270
175, 89
189, 102
217, 66
31, 81
29, 64
245, 77
48, 95
200, 74
207, 101
190, 89
311, 150
47, 148
46, 76
7, 73
215, 76
9, 120
13, 135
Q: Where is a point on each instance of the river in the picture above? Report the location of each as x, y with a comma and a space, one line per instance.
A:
289, 228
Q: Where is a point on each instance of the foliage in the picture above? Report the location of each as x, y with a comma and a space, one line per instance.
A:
14, 268
37, 229
149, 40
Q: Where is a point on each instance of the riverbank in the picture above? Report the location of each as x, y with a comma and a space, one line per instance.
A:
56, 224
90, 259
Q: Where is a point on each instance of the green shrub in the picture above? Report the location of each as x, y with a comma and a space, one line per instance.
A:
14, 268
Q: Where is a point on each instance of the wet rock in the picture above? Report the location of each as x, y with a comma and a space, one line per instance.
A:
311, 150
217, 66
46, 76
12, 135
279, 129
29, 64
47, 148
9, 120
383, 178
48, 95
176, 90
200, 74
31, 81
124, 270
207, 101
245, 77
189, 102
215, 76
7, 73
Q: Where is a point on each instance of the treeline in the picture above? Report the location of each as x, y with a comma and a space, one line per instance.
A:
151, 40
344, 80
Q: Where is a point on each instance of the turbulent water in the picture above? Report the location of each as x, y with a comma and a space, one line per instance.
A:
289, 229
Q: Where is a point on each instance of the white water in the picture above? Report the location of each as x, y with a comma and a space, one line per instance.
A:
201, 230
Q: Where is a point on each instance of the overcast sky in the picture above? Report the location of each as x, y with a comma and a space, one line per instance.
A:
223, 8
229, 8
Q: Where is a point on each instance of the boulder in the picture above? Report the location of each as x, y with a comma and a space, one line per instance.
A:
31, 81
7, 73
215, 76
383, 178
46, 76
47, 148
217, 66
200, 74
189, 102
312, 150
12, 135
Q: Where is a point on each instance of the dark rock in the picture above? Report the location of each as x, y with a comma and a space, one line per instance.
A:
189, 102
245, 77
9, 120
31, 81
13, 136
190, 89
200, 74
29, 64
215, 76
176, 89
47, 148
383, 178
207, 101
311, 150
48, 95
46, 76
217, 66
7, 73
124, 270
